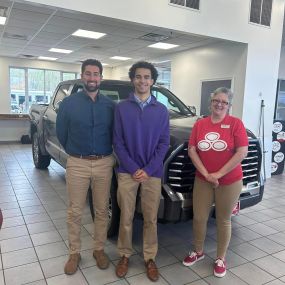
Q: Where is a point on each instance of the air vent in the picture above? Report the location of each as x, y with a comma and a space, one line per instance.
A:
152, 37
193, 4
15, 36
30, 56
260, 12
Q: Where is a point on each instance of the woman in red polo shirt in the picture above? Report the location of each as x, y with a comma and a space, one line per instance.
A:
217, 146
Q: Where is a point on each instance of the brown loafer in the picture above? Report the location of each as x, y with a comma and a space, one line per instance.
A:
102, 259
122, 267
72, 263
151, 270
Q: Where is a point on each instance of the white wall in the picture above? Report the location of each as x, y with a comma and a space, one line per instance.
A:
12, 130
214, 62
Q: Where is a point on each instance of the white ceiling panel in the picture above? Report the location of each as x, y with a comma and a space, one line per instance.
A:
35, 8
46, 27
28, 16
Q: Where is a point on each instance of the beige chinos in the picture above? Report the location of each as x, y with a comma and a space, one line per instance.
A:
80, 173
225, 197
150, 196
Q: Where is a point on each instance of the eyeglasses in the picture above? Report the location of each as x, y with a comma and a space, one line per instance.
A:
217, 102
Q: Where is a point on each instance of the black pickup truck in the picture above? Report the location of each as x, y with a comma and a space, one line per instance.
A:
178, 172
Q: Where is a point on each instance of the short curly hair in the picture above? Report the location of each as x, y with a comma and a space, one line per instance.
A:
91, 61
146, 65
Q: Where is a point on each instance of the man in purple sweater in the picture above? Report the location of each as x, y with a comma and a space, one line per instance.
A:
141, 140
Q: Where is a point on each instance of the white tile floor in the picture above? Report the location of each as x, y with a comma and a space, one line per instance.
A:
34, 247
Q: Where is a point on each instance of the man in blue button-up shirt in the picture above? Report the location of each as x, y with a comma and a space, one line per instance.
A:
84, 128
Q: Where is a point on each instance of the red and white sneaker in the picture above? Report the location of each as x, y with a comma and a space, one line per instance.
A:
220, 268
192, 258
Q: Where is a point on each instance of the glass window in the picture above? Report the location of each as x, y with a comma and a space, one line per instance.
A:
31, 85
36, 83
52, 78
60, 94
17, 89
68, 76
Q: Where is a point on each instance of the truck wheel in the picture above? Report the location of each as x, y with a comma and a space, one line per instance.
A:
114, 210
40, 161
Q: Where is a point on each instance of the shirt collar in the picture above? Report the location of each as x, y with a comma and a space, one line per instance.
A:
138, 100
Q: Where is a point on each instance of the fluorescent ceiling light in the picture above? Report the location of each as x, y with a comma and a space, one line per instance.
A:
104, 64
47, 58
120, 57
2, 20
88, 34
60, 50
163, 46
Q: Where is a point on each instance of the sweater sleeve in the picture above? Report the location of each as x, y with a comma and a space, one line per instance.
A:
119, 145
161, 149
62, 124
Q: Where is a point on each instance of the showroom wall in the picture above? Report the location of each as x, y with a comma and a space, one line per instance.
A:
215, 62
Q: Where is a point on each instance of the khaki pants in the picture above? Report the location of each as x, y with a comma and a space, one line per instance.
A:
80, 173
225, 197
150, 197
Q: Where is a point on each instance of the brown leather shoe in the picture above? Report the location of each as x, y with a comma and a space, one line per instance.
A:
122, 267
151, 270
72, 263
102, 259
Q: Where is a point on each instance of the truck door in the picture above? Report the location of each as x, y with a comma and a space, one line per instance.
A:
49, 120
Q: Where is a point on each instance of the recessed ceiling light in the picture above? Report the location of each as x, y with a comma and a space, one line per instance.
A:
2, 20
120, 57
60, 50
88, 34
47, 58
163, 46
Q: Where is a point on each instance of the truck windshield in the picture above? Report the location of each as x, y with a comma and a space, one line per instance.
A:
163, 95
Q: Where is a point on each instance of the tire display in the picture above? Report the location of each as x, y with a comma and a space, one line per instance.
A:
278, 147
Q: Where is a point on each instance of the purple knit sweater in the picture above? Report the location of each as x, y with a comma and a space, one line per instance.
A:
141, 137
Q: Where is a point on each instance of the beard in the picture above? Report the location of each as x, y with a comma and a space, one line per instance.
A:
92, 88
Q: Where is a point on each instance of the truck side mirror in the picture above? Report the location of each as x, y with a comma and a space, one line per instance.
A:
192, 109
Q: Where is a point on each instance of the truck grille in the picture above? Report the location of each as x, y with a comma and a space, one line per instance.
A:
181, 171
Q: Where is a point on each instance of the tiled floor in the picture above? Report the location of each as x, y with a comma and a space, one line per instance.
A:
33, 237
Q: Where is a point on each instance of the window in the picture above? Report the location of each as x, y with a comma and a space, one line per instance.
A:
260, 12
30, 85
52, 78
17, 90
68, 76
60, 94
193, 4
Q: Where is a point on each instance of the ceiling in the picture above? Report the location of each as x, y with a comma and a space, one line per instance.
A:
32, 29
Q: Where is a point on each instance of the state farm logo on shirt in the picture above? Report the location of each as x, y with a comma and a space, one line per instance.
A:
212, 141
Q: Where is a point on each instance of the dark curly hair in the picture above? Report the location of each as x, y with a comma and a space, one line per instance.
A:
146, 65
92, 62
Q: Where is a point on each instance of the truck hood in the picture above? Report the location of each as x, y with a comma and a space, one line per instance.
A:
180, 129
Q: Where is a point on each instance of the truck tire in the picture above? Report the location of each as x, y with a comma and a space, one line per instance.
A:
40, 161
114, 210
